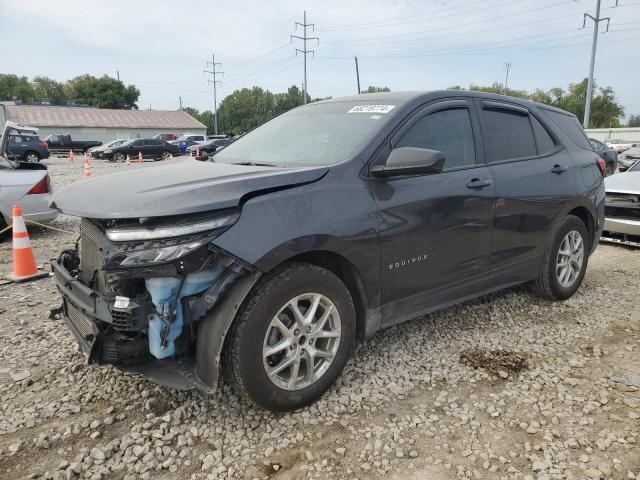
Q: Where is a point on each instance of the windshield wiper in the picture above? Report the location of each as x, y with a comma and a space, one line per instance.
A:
253, 164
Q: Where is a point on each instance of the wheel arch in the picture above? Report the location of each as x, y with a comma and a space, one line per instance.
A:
587, 218
342, 268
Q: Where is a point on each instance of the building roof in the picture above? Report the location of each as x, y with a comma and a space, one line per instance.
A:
49, 116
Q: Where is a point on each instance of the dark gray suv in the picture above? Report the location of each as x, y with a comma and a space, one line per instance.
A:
323, 226
27, 147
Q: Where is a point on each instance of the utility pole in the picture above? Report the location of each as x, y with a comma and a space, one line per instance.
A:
215, 83
357, 74
118, 74
304, 50
180, 99
507, 66
594, 43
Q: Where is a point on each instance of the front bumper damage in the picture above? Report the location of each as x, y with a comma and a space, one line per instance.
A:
110, 314
622, 219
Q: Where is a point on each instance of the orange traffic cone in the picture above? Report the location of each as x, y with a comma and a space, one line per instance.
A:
87, 172
190, 153
197, 152
24, 261
170, 156
140, 160
128, 160
71, 156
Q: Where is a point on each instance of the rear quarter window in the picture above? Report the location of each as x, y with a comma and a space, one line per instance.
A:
507, 134
570, 125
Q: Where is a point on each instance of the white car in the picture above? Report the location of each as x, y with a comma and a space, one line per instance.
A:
619, 145
24, 183
622, 208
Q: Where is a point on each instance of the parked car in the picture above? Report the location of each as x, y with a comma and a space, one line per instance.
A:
23, 182
608, 154
326, 224
27, 146
188, 139
622, 210
619, 145
149, 147
63, 141
166, 137
210, 146
628, 158
97, 152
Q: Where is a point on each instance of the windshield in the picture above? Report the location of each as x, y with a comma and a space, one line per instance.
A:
115, 143
635, 167
314, 135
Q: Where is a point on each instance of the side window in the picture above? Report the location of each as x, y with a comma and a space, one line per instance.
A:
15, 139
507, 134
597, 146
54, 139
543, 140
137, 143
571, 127
448, 131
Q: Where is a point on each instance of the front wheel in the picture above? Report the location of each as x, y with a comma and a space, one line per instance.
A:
118, 157
565, 261
292, 338
164, 155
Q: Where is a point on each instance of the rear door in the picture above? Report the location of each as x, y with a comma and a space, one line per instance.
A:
136, 146
435, 237
152, 147
534, 185
17, 145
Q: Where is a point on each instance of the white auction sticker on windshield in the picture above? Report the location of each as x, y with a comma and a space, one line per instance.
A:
371, 109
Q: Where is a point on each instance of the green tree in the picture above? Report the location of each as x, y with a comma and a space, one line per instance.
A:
103, 92
13, 87
634, 121
373, 89
47, 89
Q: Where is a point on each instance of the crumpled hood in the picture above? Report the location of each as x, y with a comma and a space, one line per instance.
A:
627, 182
175, 188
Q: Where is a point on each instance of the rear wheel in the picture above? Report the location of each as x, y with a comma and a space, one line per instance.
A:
3, 225
292, 338
32, 157
165, 155
565, 261
118, 157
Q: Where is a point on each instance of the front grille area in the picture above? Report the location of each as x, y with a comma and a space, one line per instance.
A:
123, 321
87, 328
90, 251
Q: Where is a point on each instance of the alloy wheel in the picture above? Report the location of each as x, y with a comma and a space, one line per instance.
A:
301, 341
570, 258
32, 157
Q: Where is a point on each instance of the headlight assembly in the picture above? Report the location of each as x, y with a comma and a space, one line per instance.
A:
133, 234
153, 256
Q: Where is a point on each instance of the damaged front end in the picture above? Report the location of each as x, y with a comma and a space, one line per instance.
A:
154, 295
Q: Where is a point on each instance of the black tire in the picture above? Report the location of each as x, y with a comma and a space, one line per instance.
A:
244, 348
164, 155
548, 285
32, 156
118, 157
3, 225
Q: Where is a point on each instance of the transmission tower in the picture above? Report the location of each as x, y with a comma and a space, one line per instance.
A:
304, 50
214, 81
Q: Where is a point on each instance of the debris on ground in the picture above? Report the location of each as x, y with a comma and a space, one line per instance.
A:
628, 379
499, 362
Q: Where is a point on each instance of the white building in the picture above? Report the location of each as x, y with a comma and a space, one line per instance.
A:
628, 134
103, 124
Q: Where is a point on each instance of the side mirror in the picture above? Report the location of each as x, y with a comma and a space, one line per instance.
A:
411, 161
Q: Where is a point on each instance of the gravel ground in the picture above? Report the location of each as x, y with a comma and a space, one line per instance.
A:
505, 387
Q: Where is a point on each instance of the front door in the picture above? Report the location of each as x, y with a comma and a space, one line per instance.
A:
436, 229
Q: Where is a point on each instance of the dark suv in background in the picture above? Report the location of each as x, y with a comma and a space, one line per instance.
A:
149, 147
322, 226
27, 147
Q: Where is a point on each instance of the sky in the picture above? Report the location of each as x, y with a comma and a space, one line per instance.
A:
162, 47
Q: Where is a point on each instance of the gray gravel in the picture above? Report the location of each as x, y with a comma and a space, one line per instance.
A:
405, 407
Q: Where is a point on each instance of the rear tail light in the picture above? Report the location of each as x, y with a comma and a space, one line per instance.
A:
42, 144
602, 166
43, 186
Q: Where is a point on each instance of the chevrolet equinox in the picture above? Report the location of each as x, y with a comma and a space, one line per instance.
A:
323, 226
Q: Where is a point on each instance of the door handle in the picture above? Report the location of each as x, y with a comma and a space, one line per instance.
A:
559, 169
478, 183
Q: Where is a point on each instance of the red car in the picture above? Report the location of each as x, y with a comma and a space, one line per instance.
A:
167, 137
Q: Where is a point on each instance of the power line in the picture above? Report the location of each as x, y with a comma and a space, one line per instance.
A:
214, 73
304, 50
